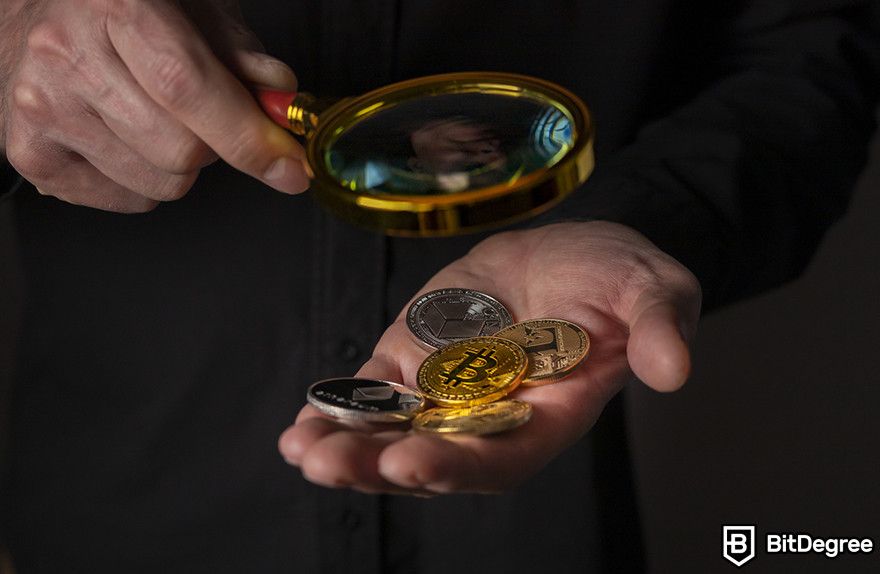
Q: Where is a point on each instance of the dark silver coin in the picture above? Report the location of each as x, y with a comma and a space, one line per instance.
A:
446, 316
365, 399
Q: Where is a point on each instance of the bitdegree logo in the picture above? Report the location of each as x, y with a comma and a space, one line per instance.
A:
804, 543
738, 544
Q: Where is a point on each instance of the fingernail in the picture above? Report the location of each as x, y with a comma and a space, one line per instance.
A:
308, 170
280, 74
287, 175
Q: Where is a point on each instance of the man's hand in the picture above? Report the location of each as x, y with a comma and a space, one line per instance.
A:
117, 104
639, 306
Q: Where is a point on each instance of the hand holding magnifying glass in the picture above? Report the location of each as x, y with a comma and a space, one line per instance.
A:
443, 154
119, 105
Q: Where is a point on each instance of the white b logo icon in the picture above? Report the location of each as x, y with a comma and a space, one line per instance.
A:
739, 544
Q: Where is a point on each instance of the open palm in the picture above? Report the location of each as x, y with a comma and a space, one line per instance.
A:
638, 304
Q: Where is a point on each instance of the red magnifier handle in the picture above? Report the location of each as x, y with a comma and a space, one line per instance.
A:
277, 105
294, 111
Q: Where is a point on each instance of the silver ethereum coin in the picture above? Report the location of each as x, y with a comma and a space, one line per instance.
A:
446, 316
365, 400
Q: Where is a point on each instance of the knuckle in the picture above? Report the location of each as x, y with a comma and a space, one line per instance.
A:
46, 37
189, 155
32, 104
247, 151
24, 158
690, 283
176, 81
51, 39
174, 188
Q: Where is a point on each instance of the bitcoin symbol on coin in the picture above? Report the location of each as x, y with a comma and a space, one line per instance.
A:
472, 369
472, 372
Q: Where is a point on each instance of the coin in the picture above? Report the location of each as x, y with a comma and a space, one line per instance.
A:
478, 420
554, 347
365, 400
471, 372
445, 316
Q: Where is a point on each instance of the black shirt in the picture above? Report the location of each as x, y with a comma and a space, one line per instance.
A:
159, 356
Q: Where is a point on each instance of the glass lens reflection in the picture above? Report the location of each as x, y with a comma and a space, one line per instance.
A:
439, 144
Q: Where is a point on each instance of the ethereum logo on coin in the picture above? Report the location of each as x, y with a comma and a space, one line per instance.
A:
440, 317
451, 320
370, 400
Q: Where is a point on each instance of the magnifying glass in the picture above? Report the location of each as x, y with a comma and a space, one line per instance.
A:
442, 155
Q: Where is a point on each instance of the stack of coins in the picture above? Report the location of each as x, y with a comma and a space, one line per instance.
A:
481, 357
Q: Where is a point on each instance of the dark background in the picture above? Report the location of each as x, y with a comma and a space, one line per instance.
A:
778, 426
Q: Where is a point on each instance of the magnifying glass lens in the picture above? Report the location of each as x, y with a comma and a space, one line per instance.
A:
448, 143
442, 155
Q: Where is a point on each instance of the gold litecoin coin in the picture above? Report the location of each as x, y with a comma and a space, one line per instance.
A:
554, 348
481, 419
472, 372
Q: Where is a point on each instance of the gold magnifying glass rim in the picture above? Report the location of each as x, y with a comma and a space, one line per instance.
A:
461, 212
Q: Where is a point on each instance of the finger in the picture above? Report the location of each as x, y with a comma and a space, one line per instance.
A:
434, 464
81, 183
347, 458
79, 129
145, 127
312, 426
308, 412
119, 163
104, 92
561, 414
333, 462
168, 58
657, 351
396, 357
64, 174
297, 439
487, 464
236, 45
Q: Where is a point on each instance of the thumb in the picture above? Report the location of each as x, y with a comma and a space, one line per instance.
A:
237, 46
657, 351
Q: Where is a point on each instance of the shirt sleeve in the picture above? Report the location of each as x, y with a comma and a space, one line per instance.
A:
741, 182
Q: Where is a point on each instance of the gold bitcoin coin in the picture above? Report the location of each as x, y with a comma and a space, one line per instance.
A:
554, 347
472, 372
478, 420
